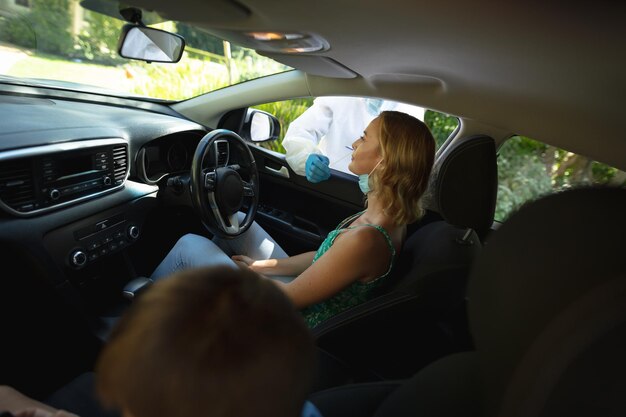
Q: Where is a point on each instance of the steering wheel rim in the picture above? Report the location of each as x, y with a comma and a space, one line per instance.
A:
218, 192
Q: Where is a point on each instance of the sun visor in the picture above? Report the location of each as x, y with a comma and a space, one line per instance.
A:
314, 65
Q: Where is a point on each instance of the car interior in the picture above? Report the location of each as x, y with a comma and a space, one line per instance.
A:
484, 315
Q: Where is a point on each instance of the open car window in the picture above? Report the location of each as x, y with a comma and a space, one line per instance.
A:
330, 118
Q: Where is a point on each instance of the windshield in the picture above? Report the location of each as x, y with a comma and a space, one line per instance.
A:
62, 43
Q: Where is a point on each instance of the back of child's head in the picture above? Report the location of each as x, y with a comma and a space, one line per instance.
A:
212, 341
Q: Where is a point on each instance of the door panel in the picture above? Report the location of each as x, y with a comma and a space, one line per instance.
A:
296, 213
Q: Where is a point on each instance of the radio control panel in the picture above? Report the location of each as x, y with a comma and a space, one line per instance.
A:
35, 180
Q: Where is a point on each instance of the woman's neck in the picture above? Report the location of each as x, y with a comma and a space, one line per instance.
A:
375, 213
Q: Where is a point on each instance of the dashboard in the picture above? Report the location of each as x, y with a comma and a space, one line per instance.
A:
79, 178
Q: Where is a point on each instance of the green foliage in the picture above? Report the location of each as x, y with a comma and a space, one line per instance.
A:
441, 125
189, 78
521, 175
52, 23
45, 28
18, 30
286, 112
248, 65
200, 40
98, 40
528, 169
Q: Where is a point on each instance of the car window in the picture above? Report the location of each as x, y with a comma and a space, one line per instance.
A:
351, 115
528, 169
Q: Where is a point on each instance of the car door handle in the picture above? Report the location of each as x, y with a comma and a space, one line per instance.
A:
282, 172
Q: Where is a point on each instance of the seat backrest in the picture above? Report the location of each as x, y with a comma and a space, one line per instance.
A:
460, 204
547, 307
427, 288
464, 182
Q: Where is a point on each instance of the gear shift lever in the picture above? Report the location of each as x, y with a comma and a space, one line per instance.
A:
135, 286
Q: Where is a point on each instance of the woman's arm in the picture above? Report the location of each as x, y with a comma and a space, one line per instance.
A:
22, 406
291, 266
357, 254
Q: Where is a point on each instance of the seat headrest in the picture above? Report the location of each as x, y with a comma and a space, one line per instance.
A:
548, 286
463, 184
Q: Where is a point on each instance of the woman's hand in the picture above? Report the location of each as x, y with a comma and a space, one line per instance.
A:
244, 262
291, 266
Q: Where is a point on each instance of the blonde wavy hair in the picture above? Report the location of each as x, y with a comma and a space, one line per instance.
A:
408, 154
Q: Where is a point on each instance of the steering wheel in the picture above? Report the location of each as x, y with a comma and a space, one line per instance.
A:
224, 176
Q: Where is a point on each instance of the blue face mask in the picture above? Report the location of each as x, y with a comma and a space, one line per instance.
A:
373, 105
364, 180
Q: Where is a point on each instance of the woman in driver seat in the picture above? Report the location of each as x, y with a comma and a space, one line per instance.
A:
393, 159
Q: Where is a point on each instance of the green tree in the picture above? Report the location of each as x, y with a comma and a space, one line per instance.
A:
528, 169
441, 125
286, 112
200, 40
99, 38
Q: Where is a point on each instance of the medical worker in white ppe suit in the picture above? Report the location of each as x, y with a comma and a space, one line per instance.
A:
321, 138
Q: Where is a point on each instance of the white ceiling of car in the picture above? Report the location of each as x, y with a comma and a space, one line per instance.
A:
549, 70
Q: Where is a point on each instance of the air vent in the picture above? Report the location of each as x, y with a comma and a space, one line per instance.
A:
221, 147
16, 185
120, 164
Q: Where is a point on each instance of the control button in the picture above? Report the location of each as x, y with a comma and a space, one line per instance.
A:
94, 245
93, 256
78, 258
54, 194
107, 180
133, 232
102, 225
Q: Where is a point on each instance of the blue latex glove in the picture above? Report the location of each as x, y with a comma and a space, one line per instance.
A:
317, 168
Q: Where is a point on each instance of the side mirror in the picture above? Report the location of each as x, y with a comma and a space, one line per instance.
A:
260, 126
149, 44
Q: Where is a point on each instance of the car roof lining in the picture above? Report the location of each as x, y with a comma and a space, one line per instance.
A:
510, 65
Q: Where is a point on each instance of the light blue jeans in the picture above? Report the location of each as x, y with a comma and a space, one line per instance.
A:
192, 251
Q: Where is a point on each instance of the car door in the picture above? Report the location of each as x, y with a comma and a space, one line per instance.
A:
297, 213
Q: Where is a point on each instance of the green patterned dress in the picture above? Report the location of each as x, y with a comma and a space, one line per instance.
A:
356, 293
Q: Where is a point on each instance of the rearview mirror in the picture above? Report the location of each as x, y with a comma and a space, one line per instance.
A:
151, 45
260, 126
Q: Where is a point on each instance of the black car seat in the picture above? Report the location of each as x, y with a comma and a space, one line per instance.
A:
547, 308
419, 315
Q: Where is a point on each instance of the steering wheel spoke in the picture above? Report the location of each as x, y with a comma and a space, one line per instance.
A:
209, 180
232, 228
248, 189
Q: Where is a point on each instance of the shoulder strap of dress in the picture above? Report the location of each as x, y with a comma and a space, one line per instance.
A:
348, 220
